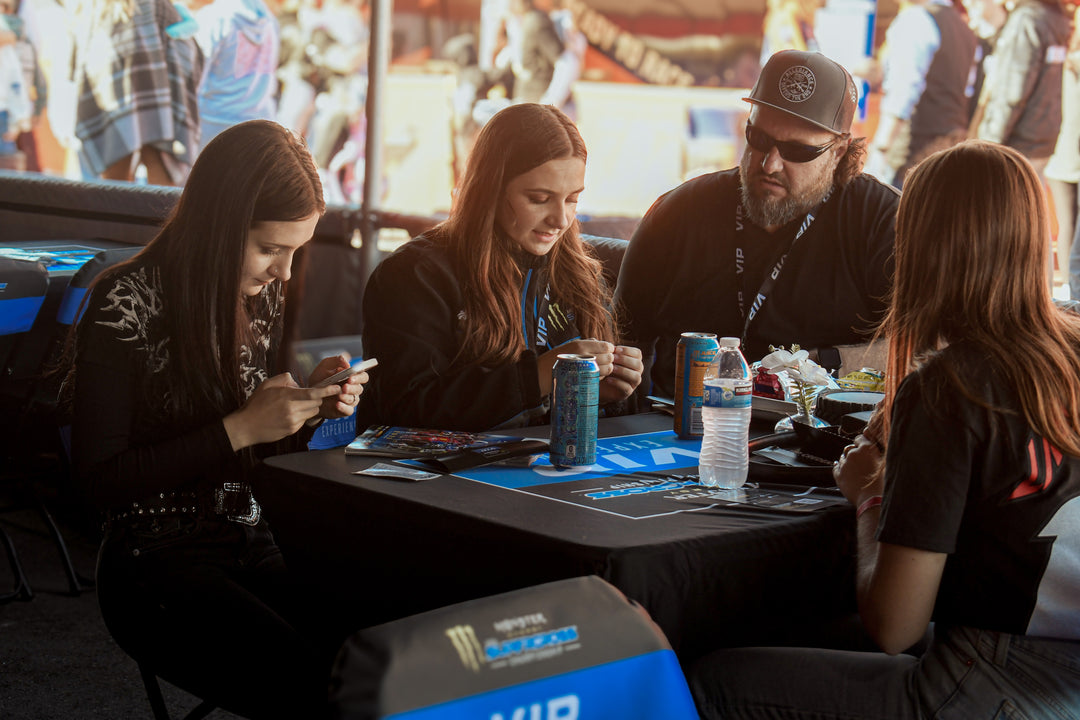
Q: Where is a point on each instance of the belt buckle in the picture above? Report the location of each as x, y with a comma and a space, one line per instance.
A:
252, 516
231, 497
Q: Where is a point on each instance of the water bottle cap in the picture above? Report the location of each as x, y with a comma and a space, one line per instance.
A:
730, 342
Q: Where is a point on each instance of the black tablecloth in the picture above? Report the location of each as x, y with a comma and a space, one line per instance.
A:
380, 549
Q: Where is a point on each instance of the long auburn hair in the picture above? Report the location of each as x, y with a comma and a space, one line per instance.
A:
253, 172
514, 141
972, 237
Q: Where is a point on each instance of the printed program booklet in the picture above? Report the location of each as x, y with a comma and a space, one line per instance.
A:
429, 444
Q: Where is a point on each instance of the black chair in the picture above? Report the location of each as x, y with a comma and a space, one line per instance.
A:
30, 343
157, 700
72, 307
42, 399
22, 590
23, 288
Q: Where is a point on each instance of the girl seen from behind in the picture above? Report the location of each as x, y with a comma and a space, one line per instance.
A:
969, 519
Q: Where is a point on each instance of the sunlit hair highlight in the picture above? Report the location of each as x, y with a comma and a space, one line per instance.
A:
513, 142
972, 237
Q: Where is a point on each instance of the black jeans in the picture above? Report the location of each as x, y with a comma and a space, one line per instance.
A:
964, 673
209, 606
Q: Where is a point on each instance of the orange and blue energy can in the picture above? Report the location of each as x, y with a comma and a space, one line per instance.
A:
575, 399
692, 357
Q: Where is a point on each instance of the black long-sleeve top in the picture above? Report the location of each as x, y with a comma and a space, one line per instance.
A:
129, 441
413, 322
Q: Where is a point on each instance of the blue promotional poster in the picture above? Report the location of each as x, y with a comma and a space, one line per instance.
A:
638, 477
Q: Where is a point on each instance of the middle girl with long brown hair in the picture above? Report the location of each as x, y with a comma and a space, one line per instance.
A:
468, 318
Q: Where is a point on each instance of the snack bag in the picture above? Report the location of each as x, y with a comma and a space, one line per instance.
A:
867, 379
768, 385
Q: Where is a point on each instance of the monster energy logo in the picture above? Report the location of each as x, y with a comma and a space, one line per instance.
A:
468, 647
558, 318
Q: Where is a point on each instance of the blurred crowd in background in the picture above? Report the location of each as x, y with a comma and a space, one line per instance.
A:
133, 89
137, 87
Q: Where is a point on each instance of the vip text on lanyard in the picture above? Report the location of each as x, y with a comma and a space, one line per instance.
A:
767, 285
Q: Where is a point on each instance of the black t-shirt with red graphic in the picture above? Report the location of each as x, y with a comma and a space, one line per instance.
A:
981, 486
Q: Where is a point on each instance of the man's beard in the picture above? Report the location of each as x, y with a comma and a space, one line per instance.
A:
767, 211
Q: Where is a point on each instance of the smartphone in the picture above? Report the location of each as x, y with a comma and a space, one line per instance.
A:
348, 372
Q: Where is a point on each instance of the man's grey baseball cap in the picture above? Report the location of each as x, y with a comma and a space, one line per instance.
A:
809, 86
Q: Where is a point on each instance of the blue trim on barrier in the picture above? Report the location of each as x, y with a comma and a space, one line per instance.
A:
71, 305
639, 688
17, 314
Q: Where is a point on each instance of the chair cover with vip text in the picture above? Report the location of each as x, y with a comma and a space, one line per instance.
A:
572, 649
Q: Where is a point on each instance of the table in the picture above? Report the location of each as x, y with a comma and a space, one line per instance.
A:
386, 548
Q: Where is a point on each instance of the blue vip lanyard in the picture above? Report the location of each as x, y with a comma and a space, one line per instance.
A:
540, 308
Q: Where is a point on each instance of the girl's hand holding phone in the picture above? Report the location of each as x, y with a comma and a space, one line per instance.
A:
278, 408
337, 371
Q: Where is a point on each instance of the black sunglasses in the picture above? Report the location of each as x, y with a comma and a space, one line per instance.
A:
790, 151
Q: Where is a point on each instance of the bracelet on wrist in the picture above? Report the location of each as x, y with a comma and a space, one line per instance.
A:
871, 502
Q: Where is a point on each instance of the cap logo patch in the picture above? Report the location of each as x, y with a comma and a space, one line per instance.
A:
797, 84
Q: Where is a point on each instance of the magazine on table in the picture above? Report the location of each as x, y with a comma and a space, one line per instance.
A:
448, 450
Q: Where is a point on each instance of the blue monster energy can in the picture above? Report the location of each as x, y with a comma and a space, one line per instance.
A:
693, 355
574, 403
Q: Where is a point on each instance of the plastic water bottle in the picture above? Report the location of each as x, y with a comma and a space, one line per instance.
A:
725, 412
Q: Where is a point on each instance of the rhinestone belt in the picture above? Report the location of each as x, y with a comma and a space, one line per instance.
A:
232, 501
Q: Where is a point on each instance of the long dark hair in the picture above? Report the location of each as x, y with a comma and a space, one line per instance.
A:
516, 140
254, 172
972, 237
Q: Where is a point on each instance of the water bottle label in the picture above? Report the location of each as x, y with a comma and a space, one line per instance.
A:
734, 398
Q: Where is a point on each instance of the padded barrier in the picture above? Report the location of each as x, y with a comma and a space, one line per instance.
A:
71, 305
62, 260
43, 207
35, 206
610, 252
23, 285
573, 649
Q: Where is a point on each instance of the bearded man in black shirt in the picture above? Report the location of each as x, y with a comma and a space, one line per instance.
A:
793, 246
